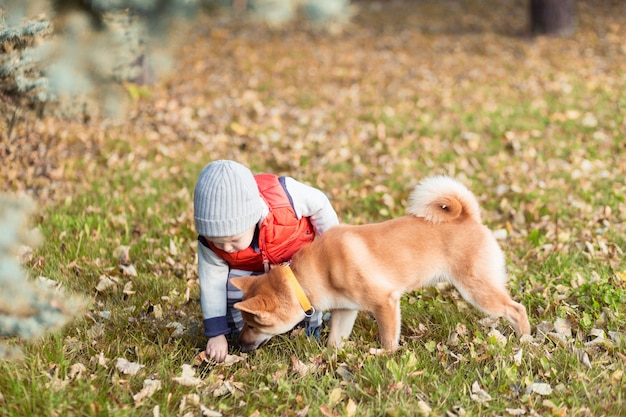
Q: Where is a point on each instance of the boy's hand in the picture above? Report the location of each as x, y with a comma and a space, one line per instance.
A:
217, 348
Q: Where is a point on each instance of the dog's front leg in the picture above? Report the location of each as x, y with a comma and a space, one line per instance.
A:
341, 323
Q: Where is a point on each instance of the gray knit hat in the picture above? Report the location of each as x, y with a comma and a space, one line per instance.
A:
226, 200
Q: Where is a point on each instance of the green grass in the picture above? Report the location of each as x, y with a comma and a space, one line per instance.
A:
553, 183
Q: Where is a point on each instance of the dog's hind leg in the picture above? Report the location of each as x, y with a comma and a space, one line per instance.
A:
509, 309
493, 300
341, 323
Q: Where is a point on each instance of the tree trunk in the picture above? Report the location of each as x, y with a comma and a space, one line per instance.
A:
552, 17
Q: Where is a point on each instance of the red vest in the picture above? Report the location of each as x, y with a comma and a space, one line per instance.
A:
281, 234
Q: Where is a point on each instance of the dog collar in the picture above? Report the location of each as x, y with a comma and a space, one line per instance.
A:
309, 310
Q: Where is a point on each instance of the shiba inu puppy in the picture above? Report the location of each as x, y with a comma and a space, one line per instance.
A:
369, 267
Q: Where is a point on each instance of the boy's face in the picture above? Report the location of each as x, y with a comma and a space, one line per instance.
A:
231, 244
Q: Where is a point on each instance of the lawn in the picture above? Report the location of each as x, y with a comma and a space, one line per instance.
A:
535, 127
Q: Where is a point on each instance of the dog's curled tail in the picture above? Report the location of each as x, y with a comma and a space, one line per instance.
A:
442, 199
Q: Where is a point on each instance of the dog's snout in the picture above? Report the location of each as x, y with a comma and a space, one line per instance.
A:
249, 347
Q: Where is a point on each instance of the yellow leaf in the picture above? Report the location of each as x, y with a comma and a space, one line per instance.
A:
335, 397
351, 408
238, 129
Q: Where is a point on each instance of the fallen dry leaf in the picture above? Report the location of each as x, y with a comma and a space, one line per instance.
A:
351, 408
423, 407
598, 337
106, 283
95, 332
176, 329
128, 368
232, 359
128, 270
336, 395
207, 412
540, 388
344, 372
327, 411
189, 401
478, 394
187, 377
221, 390
516, 411
76, 371
173, 248
54, 382
236, 389
304, 411
563, 327
298, 366
150, 386
582, 357
122, 255
101, 360
128, 288
201, 358
157, 311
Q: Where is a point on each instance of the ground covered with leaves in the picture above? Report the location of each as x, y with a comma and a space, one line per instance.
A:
536, 127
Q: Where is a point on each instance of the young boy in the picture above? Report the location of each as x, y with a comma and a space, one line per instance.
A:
246, 223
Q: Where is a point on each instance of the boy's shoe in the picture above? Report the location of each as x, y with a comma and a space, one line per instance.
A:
313, 332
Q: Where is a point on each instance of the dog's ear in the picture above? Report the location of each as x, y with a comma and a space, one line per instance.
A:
243, 283
255, 306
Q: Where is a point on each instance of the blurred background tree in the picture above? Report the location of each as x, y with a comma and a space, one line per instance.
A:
52, 50
552, 17
28, 308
